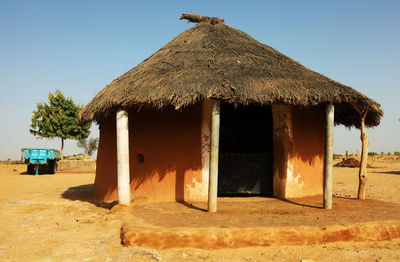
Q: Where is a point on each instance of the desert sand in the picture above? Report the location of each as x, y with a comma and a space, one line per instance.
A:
52, 218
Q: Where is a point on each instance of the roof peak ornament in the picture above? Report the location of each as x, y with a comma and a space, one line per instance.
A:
194, 18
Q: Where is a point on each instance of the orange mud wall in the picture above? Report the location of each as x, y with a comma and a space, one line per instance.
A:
299, 146
105, 183
168, 142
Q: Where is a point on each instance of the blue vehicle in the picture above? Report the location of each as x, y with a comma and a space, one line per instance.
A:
41, 158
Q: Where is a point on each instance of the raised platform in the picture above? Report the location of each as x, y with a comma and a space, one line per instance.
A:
257, 221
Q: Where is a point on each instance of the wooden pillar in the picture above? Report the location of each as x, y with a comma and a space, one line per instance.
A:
213, 180
328, 163
362, 173
124, 192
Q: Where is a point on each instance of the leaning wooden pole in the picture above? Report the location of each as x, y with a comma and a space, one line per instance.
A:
124, 193
328, 163
362, 173
213, 179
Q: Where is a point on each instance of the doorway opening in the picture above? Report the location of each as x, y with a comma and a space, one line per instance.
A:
245, 166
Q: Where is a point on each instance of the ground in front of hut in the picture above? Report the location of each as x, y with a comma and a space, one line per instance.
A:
51, 217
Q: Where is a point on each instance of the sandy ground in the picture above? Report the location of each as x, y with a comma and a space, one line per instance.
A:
51, 218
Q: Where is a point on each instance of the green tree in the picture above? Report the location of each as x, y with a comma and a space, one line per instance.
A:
58, 119
89, 145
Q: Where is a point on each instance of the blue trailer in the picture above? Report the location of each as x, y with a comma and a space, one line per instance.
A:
45, 159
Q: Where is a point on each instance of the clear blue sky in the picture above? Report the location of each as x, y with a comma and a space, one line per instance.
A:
81, 46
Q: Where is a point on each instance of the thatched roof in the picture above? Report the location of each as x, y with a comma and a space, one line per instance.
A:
213, 60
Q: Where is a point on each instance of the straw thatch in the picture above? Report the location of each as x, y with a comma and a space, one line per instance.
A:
213, 60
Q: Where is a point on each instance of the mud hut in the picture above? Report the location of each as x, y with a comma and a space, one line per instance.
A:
216, 112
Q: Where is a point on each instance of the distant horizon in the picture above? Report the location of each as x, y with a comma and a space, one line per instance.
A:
94, 156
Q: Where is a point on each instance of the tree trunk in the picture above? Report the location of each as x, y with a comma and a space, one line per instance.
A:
362, 174
62, 148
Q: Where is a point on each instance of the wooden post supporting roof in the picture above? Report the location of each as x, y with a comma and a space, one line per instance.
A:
124, 192
362, 173
329, 117
213, 180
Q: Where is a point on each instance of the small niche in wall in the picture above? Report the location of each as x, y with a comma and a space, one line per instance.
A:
140, 158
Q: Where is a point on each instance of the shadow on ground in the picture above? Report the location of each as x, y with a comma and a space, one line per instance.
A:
84, 193
299, 202
345, 197
189, 205
389, 172
40, 173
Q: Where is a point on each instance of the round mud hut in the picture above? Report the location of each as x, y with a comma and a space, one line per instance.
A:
215, 112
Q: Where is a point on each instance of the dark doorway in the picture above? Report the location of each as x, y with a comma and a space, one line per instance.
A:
245, 150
